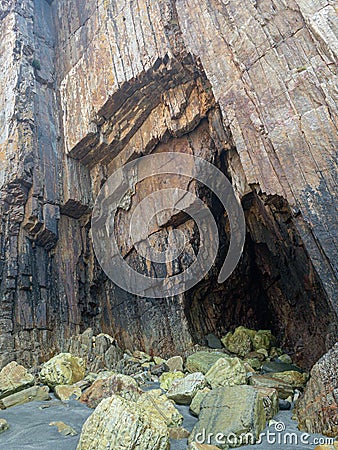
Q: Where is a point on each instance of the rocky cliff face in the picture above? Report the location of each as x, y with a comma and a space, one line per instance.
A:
90, 85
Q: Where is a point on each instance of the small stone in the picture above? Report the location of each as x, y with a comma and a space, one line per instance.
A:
286, 359
142, 356
275, 352
63, 369
227, 372
64, 429
175, 364
3, 425
327, 447
183, 390
167, 378
158, 369
195, 405
263, 352
202, 361
178, 433
213, 341
255, 363
66, 392
284, 405
196, 446
158, 361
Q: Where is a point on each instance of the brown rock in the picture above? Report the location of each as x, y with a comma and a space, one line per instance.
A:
317, 409
14, 378
66, 392
122, 385
284, 389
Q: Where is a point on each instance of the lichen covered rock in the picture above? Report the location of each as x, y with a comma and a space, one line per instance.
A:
229, 412
167, 378
202, 361
14, 378
63, 369
195, 405
158, 405
227, 372
120, 424
66, 392
183, 390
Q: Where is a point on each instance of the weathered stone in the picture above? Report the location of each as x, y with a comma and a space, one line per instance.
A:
263, 339
63, 369
232, 411
196, 446
35, 393
122, 385
142, 356
227, 372
67, 392
117, 421
195, 405
295, 379
276, 366
175, 364
157, 404
202, 361
240, 341
270, 401
167, 378
284, 389
158, 361
14, 378
327, 447
286, 359
178, 433
3, 425
317, 409
183, 390
64, 429
213, 341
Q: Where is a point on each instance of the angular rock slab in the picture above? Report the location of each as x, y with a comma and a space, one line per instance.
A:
34, 393
167, 379
63, 369
183, 390
195, 406
14, 378
317, 410
66, 392
120, 424
284, 389
227, 372
229, 414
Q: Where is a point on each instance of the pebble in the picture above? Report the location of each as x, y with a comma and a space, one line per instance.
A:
3, 425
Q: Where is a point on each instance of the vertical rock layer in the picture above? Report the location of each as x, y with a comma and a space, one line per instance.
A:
88, 86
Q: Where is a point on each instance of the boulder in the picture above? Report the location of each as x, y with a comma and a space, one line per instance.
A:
270, 401
118, 423
14, 378
158, 405
175, 364
34, 393
66, 392
183, 390
63, 369
3, 425
202, 361
195, 405
227, 372
240, 341
122, 385
167, 378
231, 414
317, 409
284, 389
213, 341
295, 379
